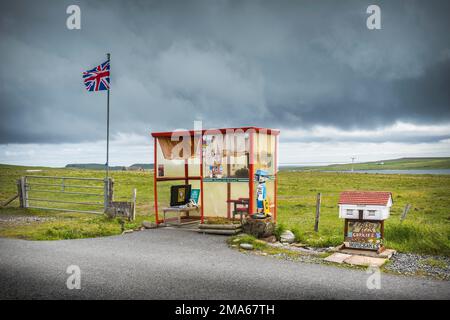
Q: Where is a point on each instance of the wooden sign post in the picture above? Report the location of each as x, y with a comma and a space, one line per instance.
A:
316, 223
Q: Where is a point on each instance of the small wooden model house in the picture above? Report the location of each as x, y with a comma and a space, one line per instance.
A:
364, 213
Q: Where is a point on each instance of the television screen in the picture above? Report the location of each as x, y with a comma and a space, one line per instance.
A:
179, 195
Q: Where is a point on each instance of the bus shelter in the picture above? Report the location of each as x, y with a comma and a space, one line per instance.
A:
223, 167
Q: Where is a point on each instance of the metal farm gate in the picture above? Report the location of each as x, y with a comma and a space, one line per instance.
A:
72, 194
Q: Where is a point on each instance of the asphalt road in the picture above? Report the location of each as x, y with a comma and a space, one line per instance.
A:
180, 264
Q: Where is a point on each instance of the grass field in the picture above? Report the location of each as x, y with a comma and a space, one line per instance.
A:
425, 230
395, 164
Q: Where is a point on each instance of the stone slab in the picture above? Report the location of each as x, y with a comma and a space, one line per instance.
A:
219, 226
365, 261
386, 254
337, 257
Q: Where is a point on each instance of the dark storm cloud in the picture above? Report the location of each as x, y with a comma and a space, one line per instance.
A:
285, 64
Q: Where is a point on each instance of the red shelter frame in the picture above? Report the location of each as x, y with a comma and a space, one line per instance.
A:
251, 169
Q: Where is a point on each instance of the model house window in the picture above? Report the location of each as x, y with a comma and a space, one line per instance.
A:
372, 213
349, 212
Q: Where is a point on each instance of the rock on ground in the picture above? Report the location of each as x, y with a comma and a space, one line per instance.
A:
259, 228
287, 236
246, 246
271, 239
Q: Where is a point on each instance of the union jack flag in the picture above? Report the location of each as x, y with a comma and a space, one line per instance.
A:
98, 78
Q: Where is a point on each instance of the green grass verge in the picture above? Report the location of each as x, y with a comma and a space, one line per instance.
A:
261, 246
425, 230
60, 225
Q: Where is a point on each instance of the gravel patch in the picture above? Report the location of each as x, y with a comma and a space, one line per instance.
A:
284, 256
437, 267
300, 249
23, 220
300, 258
415, 264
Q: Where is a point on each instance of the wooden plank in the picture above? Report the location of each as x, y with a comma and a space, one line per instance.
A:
220, 226
219, 231
14, 197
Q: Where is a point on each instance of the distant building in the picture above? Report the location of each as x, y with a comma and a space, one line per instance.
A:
365, 205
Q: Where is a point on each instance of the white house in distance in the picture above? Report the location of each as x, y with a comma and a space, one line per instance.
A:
365, 205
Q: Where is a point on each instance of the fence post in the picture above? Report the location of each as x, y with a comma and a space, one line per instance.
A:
405, 211
133, 214
105, 193
19, 192
23, 185
110, 190
316, 224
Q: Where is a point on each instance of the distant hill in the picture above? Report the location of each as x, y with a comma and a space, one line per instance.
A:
99, 166
146, 166
92, 166
392, 164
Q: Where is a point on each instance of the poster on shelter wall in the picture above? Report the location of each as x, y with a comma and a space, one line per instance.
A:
364, 235
160, 170
213, 152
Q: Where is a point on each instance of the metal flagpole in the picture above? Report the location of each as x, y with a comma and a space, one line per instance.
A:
108, 55
107, 184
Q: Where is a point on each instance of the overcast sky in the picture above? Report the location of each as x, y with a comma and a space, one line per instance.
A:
312, 69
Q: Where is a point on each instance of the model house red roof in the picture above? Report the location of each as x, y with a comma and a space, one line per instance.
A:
365, 198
